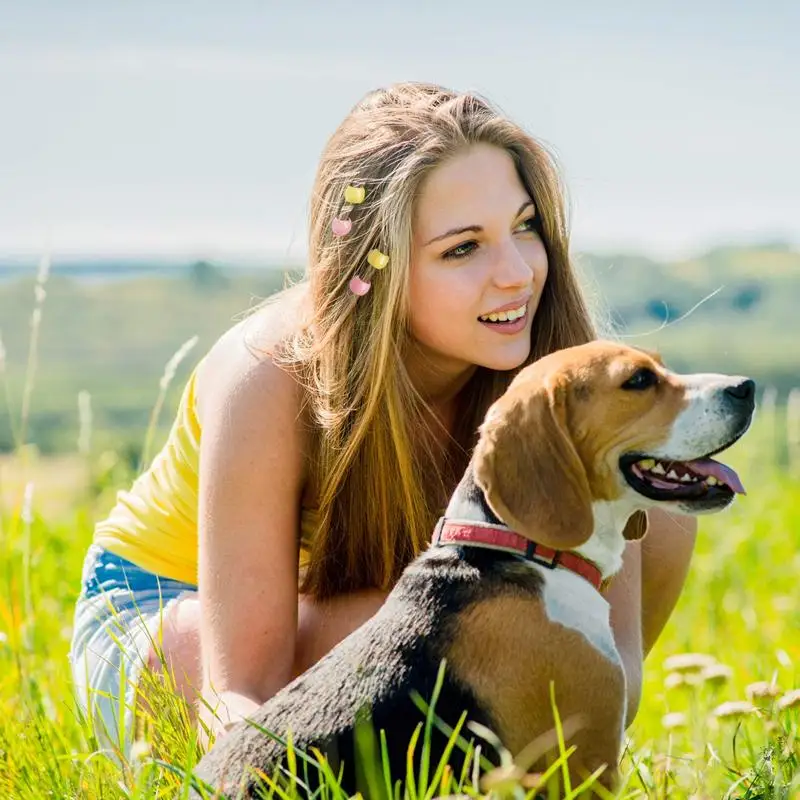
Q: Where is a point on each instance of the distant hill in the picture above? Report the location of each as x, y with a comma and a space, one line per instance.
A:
110, 327
732, 309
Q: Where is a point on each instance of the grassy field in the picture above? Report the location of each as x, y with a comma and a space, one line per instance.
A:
727, 728
740, 607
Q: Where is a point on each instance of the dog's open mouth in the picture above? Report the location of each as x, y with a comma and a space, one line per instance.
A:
661, 479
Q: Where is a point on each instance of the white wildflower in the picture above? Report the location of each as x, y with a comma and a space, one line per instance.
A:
789, 700
688, 662
734, 709
716, 674
674, 720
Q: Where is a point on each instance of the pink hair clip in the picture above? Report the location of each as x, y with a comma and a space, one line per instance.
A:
358, 286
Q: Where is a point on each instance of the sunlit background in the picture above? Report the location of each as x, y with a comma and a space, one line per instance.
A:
161, 156
156, 160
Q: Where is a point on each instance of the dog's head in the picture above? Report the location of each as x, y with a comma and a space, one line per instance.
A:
607, 423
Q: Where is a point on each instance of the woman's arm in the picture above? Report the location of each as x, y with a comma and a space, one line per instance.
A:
645, 591
625, 597
252, 471
666, 554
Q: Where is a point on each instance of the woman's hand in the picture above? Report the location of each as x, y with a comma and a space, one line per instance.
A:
219, 712
321, 626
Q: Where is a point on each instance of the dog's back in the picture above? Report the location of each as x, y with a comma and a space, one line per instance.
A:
377, 667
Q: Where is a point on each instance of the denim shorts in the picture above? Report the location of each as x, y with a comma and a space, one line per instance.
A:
117, 617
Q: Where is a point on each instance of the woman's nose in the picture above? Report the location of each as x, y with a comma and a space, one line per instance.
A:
510, 268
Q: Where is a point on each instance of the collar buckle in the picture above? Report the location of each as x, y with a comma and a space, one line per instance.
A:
545, 556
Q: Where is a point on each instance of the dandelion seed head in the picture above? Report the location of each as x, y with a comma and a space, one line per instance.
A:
734, 709
761, 691
716, 674
789, 700
688, 662
674, 720
681, 680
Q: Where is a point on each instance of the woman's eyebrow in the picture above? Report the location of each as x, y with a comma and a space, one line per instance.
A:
471, 228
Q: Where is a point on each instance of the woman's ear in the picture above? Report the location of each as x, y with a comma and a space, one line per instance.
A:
530, 472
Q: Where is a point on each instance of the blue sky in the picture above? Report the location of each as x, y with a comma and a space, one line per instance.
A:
193, 128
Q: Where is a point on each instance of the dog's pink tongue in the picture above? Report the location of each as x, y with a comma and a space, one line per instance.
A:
722, 472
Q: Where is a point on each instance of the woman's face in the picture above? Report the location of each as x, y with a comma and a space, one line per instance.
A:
478, 267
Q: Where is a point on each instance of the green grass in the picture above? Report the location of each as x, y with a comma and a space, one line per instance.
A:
740, 606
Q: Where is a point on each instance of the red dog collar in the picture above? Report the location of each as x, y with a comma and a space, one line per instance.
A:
497, 537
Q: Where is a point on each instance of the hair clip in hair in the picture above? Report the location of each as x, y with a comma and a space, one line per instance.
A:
358, 286
354, 195
341, 227
377, 259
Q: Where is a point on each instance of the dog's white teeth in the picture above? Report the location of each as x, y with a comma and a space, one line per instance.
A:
655, 467
711, 480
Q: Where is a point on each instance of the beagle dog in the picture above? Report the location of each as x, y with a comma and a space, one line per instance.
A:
510, 594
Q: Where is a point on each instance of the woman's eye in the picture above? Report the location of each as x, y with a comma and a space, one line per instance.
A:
528, 226
460, 250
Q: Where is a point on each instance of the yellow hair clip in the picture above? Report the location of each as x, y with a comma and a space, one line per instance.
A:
377, 259
354, 195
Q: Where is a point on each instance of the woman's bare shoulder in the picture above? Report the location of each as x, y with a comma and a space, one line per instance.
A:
240, 365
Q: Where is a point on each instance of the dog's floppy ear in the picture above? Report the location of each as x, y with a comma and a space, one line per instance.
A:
636, 526
530, 472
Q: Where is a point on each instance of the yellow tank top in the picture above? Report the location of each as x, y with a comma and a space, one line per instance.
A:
154, 523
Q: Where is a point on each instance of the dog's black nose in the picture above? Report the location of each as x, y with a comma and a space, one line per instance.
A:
743, 393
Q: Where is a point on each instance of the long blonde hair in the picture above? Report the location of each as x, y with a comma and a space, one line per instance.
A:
381, 471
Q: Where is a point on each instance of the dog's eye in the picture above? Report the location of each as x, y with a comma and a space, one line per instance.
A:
642, 379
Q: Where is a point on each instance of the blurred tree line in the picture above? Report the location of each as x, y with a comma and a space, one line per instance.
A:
109, 331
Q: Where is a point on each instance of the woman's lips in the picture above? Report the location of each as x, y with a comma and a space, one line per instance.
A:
507, 328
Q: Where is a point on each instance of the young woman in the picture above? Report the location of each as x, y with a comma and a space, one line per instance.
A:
318, 440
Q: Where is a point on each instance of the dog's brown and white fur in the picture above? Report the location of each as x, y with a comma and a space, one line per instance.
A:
564, 459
